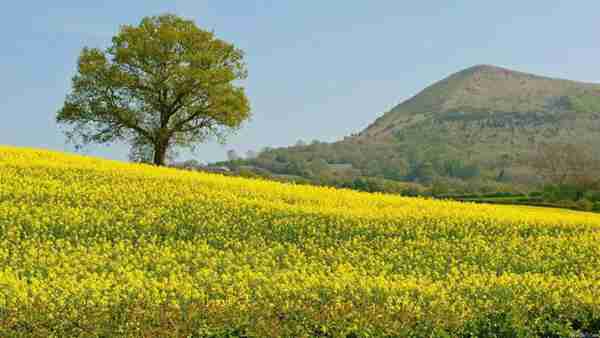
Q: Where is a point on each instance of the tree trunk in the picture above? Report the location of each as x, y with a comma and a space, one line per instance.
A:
160, 153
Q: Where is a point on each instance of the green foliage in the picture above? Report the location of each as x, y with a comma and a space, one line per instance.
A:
586, 103
161, 85
593, 195
440, 187
457, 168
422, 172
585, 205
370, 184
243, 172
563, 192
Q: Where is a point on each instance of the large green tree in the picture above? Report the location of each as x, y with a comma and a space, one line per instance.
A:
161, 85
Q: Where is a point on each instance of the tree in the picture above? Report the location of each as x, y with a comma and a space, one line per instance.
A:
161, 85
232, 155
566, 164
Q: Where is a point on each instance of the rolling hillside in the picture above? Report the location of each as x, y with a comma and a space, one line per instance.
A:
485, 111
90, 247
487, 120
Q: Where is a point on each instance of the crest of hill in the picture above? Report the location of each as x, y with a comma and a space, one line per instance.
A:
487, 88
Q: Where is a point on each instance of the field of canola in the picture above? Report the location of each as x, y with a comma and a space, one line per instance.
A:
90, 247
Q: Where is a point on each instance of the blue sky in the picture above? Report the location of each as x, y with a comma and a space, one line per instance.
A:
317, 69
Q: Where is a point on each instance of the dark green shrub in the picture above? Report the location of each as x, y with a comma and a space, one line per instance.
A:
585, 205
536, 194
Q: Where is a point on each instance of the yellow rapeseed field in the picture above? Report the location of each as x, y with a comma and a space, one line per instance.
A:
92, 247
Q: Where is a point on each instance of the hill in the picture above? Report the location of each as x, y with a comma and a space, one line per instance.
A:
490, 93
484, 122
98, 248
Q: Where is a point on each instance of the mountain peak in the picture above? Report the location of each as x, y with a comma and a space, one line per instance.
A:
484, 68
480, 89
495, 72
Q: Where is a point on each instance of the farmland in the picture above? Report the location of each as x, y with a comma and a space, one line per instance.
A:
92, 247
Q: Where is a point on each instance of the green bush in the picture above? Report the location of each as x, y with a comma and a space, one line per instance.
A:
536, 194
567, 203
593, 196
584, 204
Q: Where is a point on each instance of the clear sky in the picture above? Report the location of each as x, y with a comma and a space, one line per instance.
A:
317, 69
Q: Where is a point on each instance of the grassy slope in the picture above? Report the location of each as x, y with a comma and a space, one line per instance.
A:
94, 246
489, 88
479, 115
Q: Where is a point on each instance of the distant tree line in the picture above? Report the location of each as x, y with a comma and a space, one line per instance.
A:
387, 161
570, 173
390, 168
567, 174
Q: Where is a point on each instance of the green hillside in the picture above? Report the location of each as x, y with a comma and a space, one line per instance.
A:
482, 123
490, 89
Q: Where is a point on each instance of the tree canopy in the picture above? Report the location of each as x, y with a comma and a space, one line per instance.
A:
161, 85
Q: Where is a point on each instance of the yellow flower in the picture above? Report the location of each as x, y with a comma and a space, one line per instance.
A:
89, 245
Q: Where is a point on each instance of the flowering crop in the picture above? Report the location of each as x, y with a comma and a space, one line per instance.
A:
91, 247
